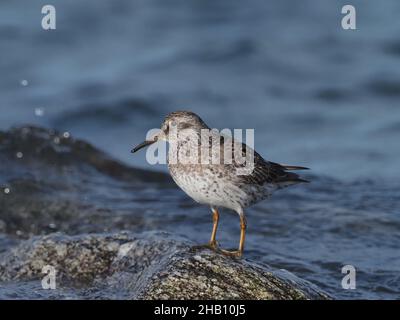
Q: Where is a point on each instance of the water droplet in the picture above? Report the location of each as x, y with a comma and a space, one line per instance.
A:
24, 82
66, 135
19, 154
7, 190
39, 112
56, 140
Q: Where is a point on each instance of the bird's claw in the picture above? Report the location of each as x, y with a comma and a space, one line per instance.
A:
210, 245
233, 253
215, 247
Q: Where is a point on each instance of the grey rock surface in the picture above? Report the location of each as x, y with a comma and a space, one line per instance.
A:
144, 266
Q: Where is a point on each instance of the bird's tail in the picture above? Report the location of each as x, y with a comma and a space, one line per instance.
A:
287, 167
286, 178
293, 177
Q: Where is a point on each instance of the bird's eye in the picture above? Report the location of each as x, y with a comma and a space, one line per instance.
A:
166, 128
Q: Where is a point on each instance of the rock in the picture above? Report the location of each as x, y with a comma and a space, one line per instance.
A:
150, 265
36, 151
65, 184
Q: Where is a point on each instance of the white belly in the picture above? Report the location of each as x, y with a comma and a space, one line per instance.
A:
204, 187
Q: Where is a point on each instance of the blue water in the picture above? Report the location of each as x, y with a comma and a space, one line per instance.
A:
316, 95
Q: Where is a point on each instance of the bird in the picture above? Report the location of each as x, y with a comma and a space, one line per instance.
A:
207, 171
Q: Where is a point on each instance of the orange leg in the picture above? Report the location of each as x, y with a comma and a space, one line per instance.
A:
243, 226
239, 252
213, 241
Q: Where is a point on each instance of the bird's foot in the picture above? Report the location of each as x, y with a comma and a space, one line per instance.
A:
233, 253
210, 245
213, 245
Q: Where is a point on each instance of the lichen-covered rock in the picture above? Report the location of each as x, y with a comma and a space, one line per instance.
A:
206, 275
143, 266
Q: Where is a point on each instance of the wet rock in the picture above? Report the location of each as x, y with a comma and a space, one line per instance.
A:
50, 182
150, 265
39, 151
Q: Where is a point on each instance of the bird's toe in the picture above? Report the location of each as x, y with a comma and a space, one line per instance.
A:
233, 253
210, 245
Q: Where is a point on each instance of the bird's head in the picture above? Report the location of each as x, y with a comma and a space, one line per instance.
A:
176, 122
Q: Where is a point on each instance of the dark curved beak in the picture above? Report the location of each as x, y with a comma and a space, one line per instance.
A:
142, 145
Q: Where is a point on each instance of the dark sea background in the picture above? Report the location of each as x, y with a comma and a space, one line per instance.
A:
316, 95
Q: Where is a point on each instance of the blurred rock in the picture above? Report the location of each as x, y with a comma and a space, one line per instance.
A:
57, 183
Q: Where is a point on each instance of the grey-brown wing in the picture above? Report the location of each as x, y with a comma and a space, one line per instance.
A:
270, 172
264, 171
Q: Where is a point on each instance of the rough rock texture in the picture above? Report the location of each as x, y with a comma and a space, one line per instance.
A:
145, 266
